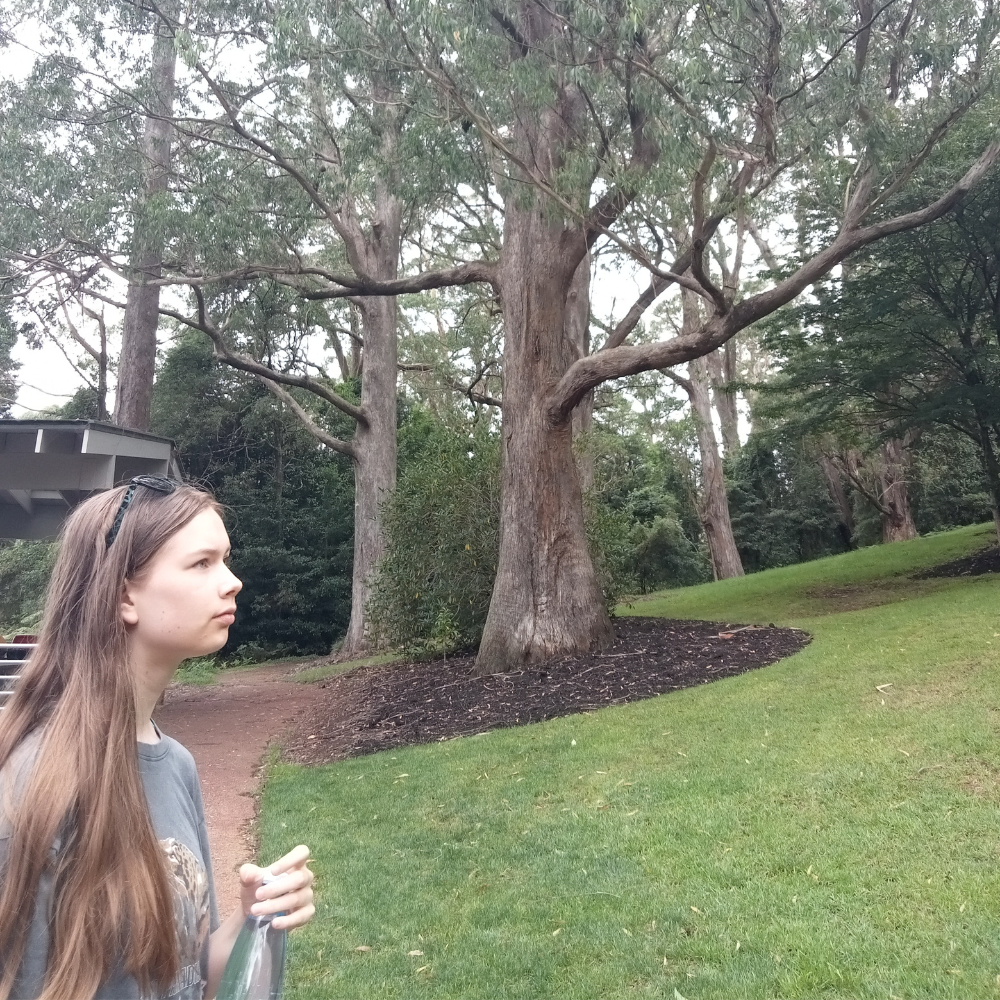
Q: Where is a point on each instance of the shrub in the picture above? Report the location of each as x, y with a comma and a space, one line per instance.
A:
432, 588
25, 567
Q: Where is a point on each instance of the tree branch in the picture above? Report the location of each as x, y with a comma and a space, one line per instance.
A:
618, 362
331, 442
243, 362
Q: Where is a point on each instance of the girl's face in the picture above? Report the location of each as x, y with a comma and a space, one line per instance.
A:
182, 604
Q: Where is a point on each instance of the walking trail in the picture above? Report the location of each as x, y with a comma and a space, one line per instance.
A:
227, 726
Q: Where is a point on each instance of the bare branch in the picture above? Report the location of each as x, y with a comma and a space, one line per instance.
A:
244, 362
589, 372
684, 383
324, 437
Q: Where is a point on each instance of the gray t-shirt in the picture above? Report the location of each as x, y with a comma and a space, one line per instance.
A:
170, 779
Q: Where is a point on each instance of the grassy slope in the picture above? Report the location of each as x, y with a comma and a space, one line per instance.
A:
793, 832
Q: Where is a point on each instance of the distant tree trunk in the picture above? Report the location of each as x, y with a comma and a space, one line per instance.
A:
137, 360
992, 470
713, 505
722, 367
546, 598
835, 485
897, 516
578, 334
375, 442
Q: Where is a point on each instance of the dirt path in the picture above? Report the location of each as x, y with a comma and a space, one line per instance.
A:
227, 727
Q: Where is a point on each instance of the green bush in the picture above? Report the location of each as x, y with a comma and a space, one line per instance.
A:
779, 505
432, 588
24, 574
289, 502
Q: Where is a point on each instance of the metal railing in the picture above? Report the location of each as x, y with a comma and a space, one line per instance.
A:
11, 653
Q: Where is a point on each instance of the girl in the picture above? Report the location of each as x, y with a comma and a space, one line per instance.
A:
105, 877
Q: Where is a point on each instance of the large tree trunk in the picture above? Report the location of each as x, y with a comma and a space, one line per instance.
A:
547, 601
897, 517
137, 360
375, 442
578, 334
713, 505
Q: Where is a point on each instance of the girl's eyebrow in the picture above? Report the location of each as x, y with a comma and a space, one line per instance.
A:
209, 552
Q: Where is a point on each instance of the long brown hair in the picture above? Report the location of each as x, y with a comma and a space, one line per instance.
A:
112, 898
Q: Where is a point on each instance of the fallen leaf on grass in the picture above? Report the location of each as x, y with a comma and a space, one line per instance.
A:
694, 909
677, 994
363, 947
557, 932
414, 954
881, 688
423, 968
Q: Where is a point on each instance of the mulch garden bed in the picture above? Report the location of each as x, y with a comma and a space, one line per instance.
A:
985, 561
400, 704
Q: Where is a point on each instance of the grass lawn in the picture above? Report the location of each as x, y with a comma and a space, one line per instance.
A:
825, 827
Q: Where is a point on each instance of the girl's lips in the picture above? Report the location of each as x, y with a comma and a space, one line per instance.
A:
226, 618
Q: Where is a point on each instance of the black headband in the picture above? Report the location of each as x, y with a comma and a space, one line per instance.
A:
158, 483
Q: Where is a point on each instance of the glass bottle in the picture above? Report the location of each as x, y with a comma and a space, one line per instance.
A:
256, 966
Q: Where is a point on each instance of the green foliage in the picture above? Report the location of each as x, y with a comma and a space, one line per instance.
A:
289, 502
25, 567
949, 489
779, 506
907, 340
650, 524
432, 588
8, 366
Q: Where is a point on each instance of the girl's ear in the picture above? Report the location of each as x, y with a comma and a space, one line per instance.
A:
129, 612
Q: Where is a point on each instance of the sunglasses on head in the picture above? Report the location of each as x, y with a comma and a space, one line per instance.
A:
158, 483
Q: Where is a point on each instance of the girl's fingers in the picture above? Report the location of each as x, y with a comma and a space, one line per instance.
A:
298, 878
288, 903
296, 919
296, 857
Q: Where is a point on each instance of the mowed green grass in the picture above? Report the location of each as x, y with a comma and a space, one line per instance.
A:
793, 832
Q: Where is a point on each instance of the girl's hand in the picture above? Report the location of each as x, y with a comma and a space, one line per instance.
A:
291, 894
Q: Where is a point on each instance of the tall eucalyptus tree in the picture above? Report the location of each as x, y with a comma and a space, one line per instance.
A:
583, 111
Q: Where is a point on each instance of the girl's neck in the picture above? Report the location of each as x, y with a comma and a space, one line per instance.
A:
152, 675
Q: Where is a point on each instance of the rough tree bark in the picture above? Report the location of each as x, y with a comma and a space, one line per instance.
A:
897, 515
375, 441
137, 361
713, 505
578, 334
546, 599
885, 485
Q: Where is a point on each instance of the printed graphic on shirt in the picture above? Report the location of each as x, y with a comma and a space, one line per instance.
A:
192, 916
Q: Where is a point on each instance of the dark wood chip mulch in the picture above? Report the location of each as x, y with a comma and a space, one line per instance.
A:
381, 707
986, 561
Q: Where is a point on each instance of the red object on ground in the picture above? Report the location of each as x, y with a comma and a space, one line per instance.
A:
25, 639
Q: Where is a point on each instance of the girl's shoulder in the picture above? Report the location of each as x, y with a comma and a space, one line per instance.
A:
168, 756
